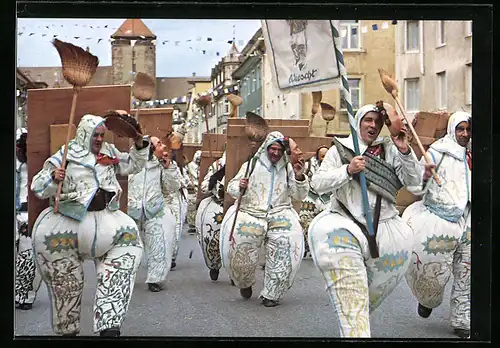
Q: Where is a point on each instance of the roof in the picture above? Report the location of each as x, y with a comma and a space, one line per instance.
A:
193, 79
173, 87
133, 28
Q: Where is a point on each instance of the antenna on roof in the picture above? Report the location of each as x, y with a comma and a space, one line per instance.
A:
234, 33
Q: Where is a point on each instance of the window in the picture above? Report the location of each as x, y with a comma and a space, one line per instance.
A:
441, 33
259, 77
350, 37
468, 28
442, 90
226, 107
412, 95
253, 80
249, 85
412, 36
468, 84
355, 88
221, 77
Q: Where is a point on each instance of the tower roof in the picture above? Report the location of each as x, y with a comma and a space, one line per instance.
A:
233, 49
133, 28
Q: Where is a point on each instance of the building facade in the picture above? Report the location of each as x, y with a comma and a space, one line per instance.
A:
365, 50
222, 83
249, 76
434, 65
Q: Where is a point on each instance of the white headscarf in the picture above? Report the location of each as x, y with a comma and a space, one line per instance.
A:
348, 142
20, 131
271, 138
448, 144
81, 144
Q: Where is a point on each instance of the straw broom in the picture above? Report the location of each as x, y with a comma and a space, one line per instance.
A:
78, 67
204, 101
391, 87
144, 88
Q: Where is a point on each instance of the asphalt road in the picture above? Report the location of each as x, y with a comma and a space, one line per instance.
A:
193, 305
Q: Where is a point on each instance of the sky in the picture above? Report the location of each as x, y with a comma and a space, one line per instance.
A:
176, 58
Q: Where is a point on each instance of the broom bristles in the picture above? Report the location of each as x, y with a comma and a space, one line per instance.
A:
78, 65
144, 86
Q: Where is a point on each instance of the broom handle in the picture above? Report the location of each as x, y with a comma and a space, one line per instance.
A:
208, 131
419, 143
68, 135
239, 201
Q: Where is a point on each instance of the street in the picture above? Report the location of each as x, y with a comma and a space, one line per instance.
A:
192, 305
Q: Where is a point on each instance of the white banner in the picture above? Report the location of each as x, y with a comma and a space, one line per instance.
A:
302, 54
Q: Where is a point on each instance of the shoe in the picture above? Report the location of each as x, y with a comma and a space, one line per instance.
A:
214, 274
172, 266
110, 333
423, 311
192, 231
25, 306
462, 333
269, 303
246, 293
153, 287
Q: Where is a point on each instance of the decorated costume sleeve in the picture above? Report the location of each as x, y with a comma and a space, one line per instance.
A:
42, 184
233, 187
422, 188
169, 179
409, 171
132, 162
331, 175
298, 189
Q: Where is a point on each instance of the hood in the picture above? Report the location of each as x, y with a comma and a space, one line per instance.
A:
448, 144
80, 145
348, 142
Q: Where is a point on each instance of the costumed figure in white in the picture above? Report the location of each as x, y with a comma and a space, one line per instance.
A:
209, 216
154, 218
28, 278
193, 169
359, 270
314, 203
266, 216
89, 225
175, 200
441, 223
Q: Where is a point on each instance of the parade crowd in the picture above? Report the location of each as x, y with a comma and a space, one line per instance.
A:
426, 246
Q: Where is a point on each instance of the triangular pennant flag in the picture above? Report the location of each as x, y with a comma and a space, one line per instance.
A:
47, 27
32, 34
20, 34
198, 38
190, 47
209, 39
88, 38
44, 35
91, 26
364, 30
217, 53
230, 42
177, 43
188, 40
204, 51
99, 40
106, 26
55, 35
385, 25
77, 37
374, 26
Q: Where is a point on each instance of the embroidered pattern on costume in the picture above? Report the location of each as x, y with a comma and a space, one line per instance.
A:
391, 262
439, 244
279, 222
61, 241
126, 236
250, 229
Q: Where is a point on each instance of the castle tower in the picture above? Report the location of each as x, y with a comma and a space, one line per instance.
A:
126, 57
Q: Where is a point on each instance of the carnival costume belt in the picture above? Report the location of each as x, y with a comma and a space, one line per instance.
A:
100, 200
380, 176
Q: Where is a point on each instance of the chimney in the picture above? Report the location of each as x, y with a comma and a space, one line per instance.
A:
88, 49
194, 74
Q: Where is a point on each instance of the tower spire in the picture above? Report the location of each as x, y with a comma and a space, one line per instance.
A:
234, 33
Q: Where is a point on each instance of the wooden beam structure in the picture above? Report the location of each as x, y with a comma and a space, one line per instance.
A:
49, 110
217, 145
